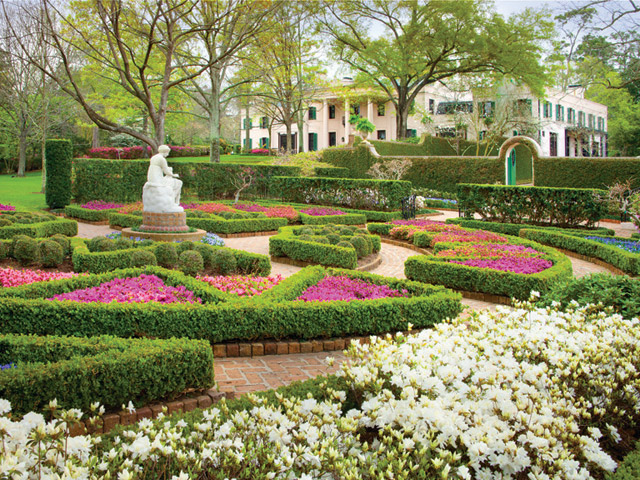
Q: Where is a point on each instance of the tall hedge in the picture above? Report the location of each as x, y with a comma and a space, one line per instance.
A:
58, 157
122, 180
585, 172
438, 173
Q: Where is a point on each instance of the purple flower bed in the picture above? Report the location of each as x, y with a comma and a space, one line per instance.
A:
250, 207
7, 208
344, 288
142, 289
526, 265
321, 211
101, 205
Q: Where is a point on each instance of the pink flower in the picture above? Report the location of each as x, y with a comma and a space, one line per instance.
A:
14, 278
7, 208
334, 288
242, 285
524, 265
101, 205
321, 211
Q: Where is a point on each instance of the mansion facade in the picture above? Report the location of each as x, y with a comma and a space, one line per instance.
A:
564, 123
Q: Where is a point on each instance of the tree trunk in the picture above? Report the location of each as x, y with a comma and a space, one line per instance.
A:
214, 118
300, 131
401, 119
289, 137
95, 138
22, 153
247, 135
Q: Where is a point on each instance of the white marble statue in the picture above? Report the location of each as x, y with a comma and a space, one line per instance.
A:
161, 193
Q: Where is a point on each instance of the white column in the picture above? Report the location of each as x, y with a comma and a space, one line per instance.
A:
370, 110
324, 136
346, 121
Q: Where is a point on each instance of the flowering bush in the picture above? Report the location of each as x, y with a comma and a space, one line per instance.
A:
121, 153
404, 232
14, 278
243, 286
512, 394
101, 205
7, 366
468, 236
260, 151
280, 211
142, 289
344, 288
7, 208
132, 207
484, 250
428, 225
321, 211
628, 245
212, 207
212, 239
526, 265
249, 207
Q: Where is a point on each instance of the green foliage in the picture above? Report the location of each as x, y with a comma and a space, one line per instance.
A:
332, 172
354, 193
217, 224
617, 291
629, 468
348, 219
223, 261
142, 258
43, 226
563, 207
167, 255
626, 261
76, 211
51, 253
514, 228
221, 317
438, 270
436, 172
301, 243
122, 180
101, 244
585, 172
26, 251
190, 262
109, 370
58, 162
64, 242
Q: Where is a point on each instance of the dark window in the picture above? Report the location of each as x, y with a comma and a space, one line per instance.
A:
432, 105
264, 142
592, 121
411, 132
313, 142
581, 119
382, 134
559, 113
381, 110
244, 143
547, 110
332, 139
446, 132
332, 111
571, 116
523, 107
446, 108
483, 133
355, 109
486, 109
312, 113
246, 123
553, 144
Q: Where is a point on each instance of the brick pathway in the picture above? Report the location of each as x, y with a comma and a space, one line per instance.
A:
242, 375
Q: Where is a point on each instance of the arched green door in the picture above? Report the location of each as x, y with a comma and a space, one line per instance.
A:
511, 168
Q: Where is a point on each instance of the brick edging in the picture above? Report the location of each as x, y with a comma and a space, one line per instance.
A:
300, 263
596, 261
247, 234
398, 243
90, 222
485, 297
116, 227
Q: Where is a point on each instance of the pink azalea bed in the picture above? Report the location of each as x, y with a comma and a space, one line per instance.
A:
343, 288
243, 286
142, 289
526, 265
10, 277
321, 211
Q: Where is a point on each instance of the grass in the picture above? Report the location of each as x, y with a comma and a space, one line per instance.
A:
19, 191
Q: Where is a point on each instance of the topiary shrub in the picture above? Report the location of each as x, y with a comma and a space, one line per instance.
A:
333, 238
345, 244
123, 244
142, 258
320, 239
51, 253
5, 222
191, 263
184, 246
167, 255
14, 241
369, 243
101, 244
64, 242
4, 250
58, 155
206, 251
360, 245
26, 251
224, 262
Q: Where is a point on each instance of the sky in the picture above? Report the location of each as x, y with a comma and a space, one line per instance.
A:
508, 7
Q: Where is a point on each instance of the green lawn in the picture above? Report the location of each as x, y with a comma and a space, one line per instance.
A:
19, 192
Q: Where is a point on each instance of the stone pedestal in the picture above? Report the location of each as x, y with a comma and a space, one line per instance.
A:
164, 227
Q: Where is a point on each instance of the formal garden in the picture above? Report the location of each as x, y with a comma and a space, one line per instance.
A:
110, 343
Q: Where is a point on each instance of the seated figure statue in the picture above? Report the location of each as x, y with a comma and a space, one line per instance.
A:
161, 193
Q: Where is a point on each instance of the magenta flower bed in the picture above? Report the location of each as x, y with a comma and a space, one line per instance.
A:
10, 277
250, 207
489, 250
101, 205
243, 286
7, 208
321, 211
344, 288
526, 265
468, 236
428, 225
142, 289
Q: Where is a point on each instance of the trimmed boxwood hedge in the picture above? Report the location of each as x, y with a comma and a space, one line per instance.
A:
348, 219
562, 207
438, 270
105, 369
333, 172
586, 172
98, 262
76, 211
514, 228
348, 192
626, 261
287, 243
58, 155
48, 228
221, 317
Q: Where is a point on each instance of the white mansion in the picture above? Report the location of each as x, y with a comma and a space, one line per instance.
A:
563, 122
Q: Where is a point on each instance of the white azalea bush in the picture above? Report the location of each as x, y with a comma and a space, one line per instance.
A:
516, 394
